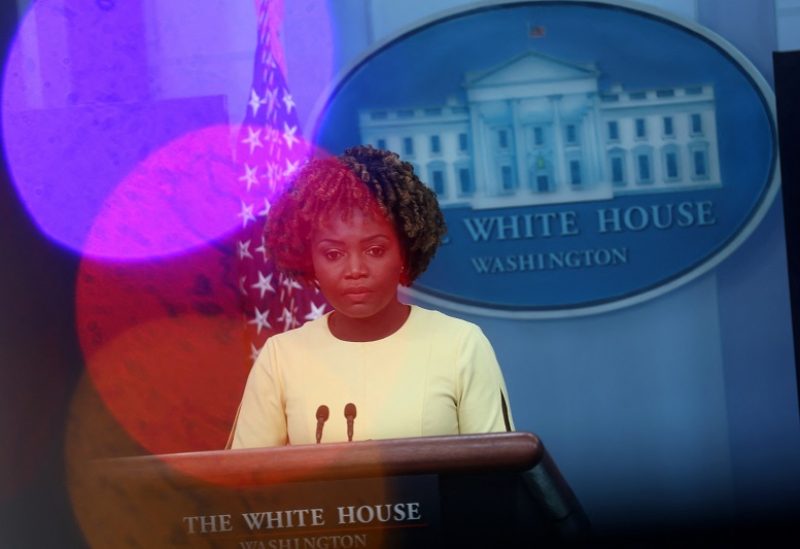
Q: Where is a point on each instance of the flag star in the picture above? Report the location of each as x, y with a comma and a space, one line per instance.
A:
288, 319
264, 284
269, 136
255, 101
291, 167
244, 249
315, 312
276, 135
273, 172
265, 211
290, 284
253, 139
271, 60
249, 176
270, 97
254, 351
242, 280
288, 135
260, 320
262, 249
288, 101
246, 214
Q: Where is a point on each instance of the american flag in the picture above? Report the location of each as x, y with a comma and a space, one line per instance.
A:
269, 152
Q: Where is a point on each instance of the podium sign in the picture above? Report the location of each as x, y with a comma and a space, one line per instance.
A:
423, 492
376, 512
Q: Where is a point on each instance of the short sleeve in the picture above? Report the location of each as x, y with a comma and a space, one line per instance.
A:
261, 420
482, 396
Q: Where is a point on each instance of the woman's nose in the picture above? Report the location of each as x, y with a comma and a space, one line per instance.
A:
356, 267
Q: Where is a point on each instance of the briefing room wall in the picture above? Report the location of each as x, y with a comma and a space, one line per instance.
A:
664, 408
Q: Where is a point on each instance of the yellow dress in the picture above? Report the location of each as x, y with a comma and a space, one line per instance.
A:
437, 375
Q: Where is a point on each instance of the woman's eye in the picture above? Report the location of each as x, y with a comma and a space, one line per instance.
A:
376, 251
332, 255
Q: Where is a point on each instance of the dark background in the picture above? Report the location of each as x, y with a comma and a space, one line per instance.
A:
40, 363
787, 91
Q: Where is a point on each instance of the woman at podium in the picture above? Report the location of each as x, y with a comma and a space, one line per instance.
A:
355, 227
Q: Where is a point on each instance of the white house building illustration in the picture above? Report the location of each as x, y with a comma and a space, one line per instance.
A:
536, 130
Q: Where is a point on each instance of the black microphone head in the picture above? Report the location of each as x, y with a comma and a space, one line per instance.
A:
323, 413
350, 410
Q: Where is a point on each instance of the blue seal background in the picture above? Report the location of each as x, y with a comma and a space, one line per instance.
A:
636, 49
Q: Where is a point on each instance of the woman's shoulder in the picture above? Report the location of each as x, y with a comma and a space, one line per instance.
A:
433, 320
448, 337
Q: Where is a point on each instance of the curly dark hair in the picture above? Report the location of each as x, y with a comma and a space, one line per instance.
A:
363, 178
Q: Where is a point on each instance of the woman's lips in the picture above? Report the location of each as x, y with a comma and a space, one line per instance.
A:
359, 290
357, 293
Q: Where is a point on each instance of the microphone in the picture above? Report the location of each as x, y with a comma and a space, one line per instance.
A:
350, 414
322, 416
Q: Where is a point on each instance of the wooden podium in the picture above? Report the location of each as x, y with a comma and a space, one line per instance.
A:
494, 490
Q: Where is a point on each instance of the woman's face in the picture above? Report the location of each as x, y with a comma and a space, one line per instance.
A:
358, 263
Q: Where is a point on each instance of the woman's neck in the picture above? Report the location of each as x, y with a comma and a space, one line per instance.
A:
372, 328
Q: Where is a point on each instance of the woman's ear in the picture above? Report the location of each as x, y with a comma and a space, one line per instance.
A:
405, 279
